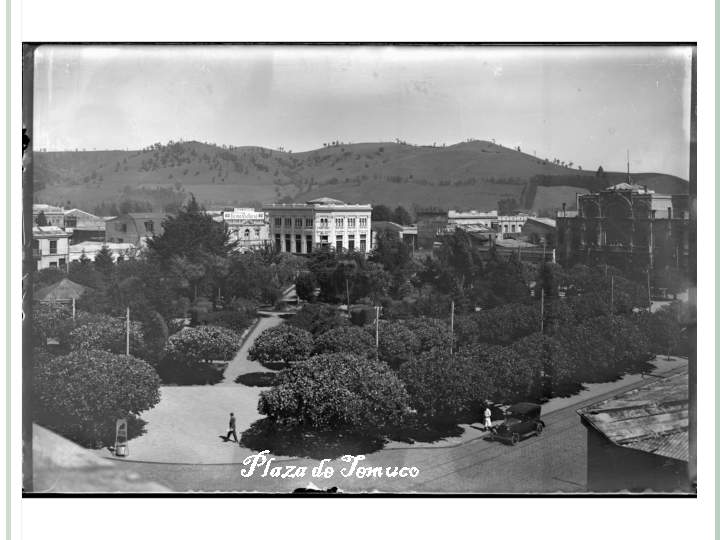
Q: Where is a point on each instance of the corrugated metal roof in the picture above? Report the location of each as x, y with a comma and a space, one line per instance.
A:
652, 418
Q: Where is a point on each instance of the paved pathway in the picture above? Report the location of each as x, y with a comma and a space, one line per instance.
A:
240, 364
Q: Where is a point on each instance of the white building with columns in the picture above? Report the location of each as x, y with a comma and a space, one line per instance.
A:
322, 223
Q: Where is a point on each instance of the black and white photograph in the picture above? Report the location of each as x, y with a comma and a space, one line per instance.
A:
360, 269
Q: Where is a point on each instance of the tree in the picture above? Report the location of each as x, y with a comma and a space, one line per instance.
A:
498, 326
547, 281
41, 220
432, 334
47, 276
106, 333
443, 389
283, 344
305, 286
401, 216
381, 213
80, 395
338, 392
345, 339
103, 263
396, 344
195, 345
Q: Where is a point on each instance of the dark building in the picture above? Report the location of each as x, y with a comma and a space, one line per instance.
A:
430, 223
134, 228
628, 226
639, 440
540, 231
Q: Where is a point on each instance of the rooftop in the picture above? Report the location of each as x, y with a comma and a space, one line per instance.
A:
62, 290
90, 246
545, 221
635, 188
47, 208
49, 230
472, 214
652, 418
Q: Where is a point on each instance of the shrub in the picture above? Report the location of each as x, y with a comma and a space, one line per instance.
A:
345, 339
317, 318
80, 395
500, 326
105, 333
282, 344
192, 346
443, 389
337, 392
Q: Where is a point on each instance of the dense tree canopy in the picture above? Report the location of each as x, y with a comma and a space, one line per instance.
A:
346, 339
283, 344
339, 392
80, 395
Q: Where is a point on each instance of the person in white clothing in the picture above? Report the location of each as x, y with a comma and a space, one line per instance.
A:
488, 418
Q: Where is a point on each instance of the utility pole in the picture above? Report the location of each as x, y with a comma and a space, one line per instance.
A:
127, 332
452, 325
73, 308
377, 332
648, 288
347, 293
542, 309
612, 293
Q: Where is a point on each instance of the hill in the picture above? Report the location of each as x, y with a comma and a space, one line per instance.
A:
475, 174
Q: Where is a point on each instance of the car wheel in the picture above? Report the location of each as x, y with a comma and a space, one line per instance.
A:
538, 429
515, 438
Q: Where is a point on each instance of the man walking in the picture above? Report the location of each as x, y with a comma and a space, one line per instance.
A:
231, 430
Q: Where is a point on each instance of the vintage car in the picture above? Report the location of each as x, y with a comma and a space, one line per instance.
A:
521, 419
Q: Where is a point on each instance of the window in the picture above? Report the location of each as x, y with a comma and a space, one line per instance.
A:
324, 223
247, 234
298, 243
257, 233
363, 222
121, 227
309, 222
513, 228
308, 244
288, 222
298, 222
339, 242
339, 223
277, 242
287, 242
149, 227
53, 247
351, 242
36, 246
324, 239
53, 264
61, 262
351, 222
70, 221
278, 222
363, 242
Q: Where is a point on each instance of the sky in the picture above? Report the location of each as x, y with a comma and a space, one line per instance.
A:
588, 105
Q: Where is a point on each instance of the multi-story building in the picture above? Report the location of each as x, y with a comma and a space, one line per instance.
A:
84, 226
50, 247
321, 223
134, 228
247, 227
472, 217
626, 225
430, 223
540, 231
54, 215
510, 225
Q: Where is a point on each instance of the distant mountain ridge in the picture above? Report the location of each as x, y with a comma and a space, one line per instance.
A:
475, 174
